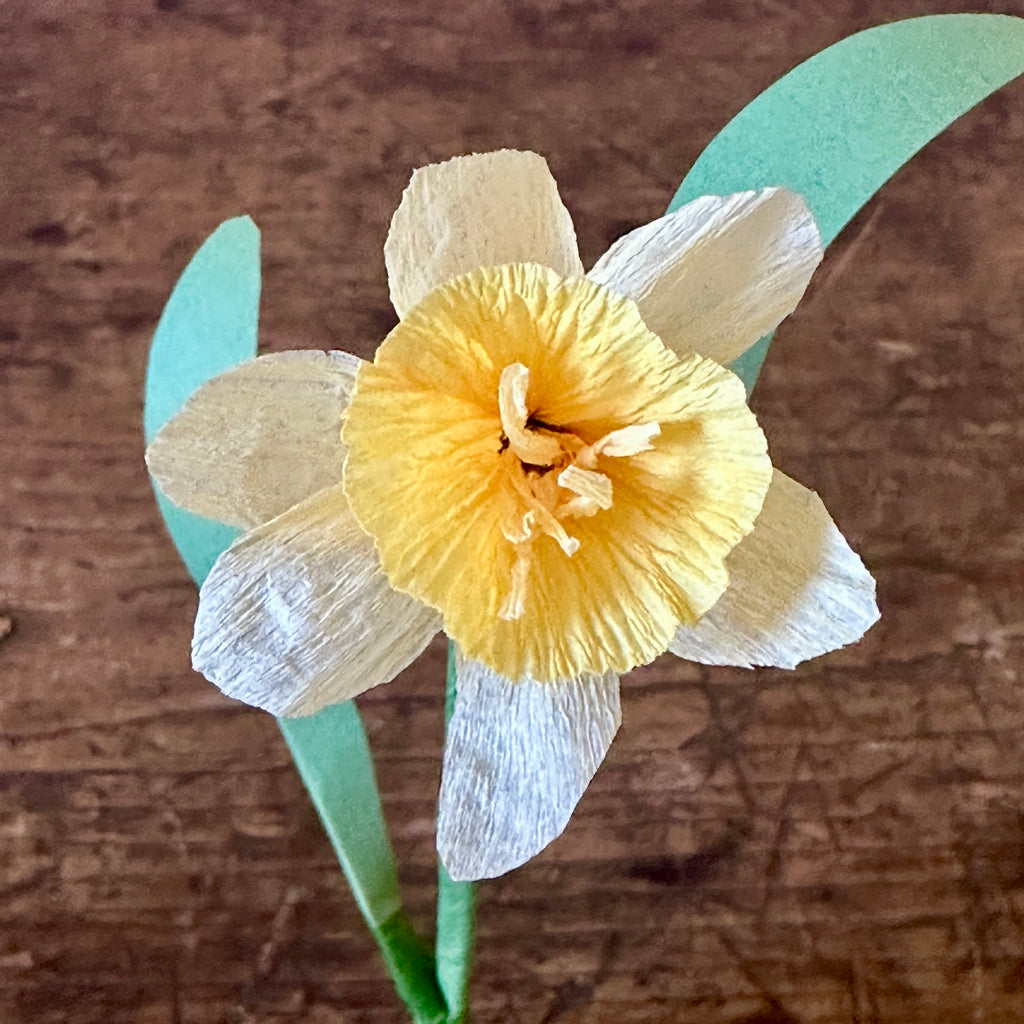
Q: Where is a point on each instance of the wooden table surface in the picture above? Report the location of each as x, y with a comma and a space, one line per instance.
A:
843, 844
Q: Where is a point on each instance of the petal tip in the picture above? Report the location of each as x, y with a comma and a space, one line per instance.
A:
797, 591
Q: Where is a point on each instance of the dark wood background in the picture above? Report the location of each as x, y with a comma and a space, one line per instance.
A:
839, 845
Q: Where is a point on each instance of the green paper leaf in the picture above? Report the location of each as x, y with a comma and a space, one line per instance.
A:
210, 324
838, 126
334, 759
199, 541
210, 321
411, 966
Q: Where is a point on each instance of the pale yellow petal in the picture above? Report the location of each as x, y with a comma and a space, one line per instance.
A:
796, 590
427, 477
297, 614
475, 211
718, 273
517, 759
257, 439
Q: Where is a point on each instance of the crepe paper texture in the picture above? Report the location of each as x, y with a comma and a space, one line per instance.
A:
283, 462
569, 727
537, 227
527, 464
833, 130
312, 619
476, 512
802, 618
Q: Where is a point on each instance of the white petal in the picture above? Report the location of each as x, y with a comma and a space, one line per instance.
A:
257, 439
483, 210
718, 273
516, 762
297, 614
796, 590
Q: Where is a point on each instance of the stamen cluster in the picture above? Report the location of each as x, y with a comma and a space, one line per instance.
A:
555, 476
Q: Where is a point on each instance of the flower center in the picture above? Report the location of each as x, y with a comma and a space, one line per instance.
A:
533, 462
554, 477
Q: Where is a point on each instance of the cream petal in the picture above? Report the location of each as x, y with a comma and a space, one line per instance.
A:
516, 762
719, 272
482, 210
796, 590
297, 614
257, 439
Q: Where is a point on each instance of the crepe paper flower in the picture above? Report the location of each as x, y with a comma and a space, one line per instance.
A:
552, 466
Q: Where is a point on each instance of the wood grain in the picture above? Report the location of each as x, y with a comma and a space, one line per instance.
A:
839, 845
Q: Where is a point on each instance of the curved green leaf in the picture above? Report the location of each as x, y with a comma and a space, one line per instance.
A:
210, 323
838, 126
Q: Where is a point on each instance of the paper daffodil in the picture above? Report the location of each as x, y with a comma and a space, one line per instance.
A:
552, 466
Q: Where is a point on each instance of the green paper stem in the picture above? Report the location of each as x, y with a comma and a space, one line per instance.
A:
456, 910
839, 125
